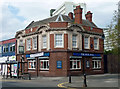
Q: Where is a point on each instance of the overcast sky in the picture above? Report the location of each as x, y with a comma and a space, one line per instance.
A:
15, 15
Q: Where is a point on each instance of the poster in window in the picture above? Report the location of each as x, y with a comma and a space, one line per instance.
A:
15, 70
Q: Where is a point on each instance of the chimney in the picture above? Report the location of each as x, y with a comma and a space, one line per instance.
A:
89, 16
70, 15
78, 14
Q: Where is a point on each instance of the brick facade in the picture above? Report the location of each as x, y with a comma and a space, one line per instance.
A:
68, 58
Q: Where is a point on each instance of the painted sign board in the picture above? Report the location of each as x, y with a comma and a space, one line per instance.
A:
86, 54
59, 64
38, 55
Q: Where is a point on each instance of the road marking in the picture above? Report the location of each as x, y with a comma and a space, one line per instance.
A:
61, 85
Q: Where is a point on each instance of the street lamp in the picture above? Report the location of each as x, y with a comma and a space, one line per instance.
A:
84, 84
84, 75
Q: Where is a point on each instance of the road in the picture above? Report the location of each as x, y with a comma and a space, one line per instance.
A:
104, 80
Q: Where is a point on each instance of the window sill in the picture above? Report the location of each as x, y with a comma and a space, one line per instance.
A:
86, 48
45, 69
75, 69
96, 68
31, 68
58, 47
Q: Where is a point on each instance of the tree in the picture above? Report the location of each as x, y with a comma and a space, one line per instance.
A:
113, 38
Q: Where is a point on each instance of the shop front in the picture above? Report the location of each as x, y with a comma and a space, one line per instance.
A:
8, 66
89, 63
37, 63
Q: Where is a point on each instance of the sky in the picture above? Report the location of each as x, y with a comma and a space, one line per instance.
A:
15, 15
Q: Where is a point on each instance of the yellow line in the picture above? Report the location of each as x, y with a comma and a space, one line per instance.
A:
61, 85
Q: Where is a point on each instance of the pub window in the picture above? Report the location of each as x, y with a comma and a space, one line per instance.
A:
34, 42
21, 43
44, 64
28, 44
74, 41
75, 64
58, 40
95, 43
87, 64
86, 42
31, 64
96, 64
44, 41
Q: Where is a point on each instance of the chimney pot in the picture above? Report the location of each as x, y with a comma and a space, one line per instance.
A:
89, 16
70, 15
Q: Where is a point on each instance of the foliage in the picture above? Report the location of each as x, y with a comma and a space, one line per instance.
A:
113, 39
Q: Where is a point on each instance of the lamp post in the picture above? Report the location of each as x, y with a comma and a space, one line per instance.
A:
84, 84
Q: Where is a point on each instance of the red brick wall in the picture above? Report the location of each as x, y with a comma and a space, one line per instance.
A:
58, 24
51, 41
97, 30
58, 56
29, 30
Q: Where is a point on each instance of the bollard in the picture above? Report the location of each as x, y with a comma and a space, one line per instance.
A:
29, 76
69, 78
85, 84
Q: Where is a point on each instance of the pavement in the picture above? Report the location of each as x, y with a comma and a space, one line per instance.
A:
101, 80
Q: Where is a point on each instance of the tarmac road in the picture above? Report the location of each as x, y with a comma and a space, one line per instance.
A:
107, 81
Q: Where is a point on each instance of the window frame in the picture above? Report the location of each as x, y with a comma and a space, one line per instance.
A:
47, 61
75, 60
97, 61
97, 43
74, 41
87, 63
32, 61
44, 41
5, 47
33, 42
28, 44
13, 47
57, 46
88, 45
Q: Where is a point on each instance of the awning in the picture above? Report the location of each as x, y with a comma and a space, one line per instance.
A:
75, 56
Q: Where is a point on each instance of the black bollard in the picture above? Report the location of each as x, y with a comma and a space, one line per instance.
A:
85, 84
69, 78
29, 76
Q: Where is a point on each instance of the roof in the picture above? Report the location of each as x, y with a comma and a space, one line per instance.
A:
12, 40
58, 18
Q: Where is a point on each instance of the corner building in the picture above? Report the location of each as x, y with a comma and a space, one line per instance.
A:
61, 45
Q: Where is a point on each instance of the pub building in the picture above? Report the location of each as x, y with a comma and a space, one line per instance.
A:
61, 45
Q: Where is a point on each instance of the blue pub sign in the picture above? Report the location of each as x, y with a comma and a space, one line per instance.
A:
59, 64
86, 54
